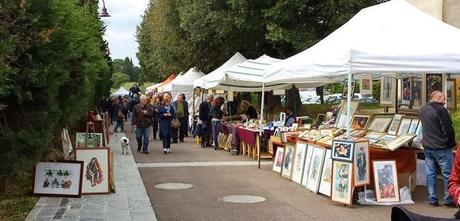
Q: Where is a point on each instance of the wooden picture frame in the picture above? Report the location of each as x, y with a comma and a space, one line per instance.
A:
92, 142
342, 185
278, 160
288, 158
365, 85
451, 94
404, 126
399, 141
62, 178
360, 121
96, 168
326, 175
373, 136
361, 163
380, 122
406, 91
299, 162
387, 91
341, 119
433, 82
343, 150
386, 181
316, 166
306, 168
417, 93
413, 126
384, 140
395, 123
320, 119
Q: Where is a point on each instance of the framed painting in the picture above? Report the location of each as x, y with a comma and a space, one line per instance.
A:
326, 131
387, 91
320, 119
404, 127
384, 140
58, 178
67, 147
342, 176
373, 136
359, 122
394, 126
358, 133
96, 167
386, 181
299, 162
413, 126
342, 150
361, 164
286, 168
345, 89
94, 140
399, 141
417, 93
451, 94
316, 166
406, 96
365, 85
278, 160
306, 168
341, 120
433, 82
380, 122
326, 175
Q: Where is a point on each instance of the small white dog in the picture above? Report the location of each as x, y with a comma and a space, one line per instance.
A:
124, 145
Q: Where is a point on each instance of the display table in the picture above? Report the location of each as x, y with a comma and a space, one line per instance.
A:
251, 142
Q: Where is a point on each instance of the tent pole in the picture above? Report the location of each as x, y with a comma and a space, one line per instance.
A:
348, 105
260, 123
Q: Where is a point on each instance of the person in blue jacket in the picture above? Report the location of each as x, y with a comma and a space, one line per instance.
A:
166, 114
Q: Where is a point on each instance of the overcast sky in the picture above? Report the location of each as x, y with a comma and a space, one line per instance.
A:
121, 26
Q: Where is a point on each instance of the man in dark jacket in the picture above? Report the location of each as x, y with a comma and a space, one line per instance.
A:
182, 114
141, 121
204, 109
217, 116
438, 141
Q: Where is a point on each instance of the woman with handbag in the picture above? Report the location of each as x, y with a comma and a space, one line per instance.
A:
166, 114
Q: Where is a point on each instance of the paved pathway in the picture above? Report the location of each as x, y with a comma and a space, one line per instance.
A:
130, 202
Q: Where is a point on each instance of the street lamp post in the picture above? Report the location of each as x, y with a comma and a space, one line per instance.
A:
104, 12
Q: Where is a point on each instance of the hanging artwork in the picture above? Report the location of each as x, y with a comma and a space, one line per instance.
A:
94, 140
361, 164
359, 122
286, 169
417, 93
278, 159
365, 85
342, 150
342, 175
345, 89
433, 83
316, 166
451, 94
67, 147
386, 181
58, 178
95, 169
306, 168
299, 161
387, 91
326, 175
406, 91
394, 126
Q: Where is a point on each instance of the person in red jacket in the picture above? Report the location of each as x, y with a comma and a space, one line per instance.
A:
454, 179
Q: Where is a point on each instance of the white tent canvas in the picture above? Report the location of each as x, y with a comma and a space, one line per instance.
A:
120, 92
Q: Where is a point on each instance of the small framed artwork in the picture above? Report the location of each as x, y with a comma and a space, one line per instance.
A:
67, 147
345, 89
316, 166
326, 131
384, 140
387, 91
413, 126
404, 127
433, 82
365, 85
341, 120
286, 169
278, 160
342, 176
320, 119
96, 167
299, 161
326, 175
58, 178
451, 94
417, 93
306, 168
386, 181
361, 164
94, 140
359, 122
406, 96
394, 126
380, 122
399, 141
342, 150
358, 133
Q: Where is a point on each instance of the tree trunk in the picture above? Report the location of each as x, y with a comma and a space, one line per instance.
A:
320, 93
293, 100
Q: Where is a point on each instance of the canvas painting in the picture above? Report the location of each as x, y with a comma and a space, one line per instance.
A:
94, 140
326, 175
404, 127
67, 147
342, 174
316, 166
406, 91
386, 181
380, 122
299, 161
278, 159
387, 91
95, 169
359, 122
417, 93
433, 83
413, 126
394, 126
361, 164
286, 169
451, 94
342, 150
365, 85
58, 178
306, 168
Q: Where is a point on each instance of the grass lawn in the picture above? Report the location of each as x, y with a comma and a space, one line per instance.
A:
16, 208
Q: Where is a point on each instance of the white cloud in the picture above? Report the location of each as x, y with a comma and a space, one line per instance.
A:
121, 26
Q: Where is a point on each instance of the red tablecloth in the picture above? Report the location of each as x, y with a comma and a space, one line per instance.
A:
247, 136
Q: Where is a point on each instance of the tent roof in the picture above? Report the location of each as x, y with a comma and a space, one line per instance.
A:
390, 37
169, 79
189, 76
121, 91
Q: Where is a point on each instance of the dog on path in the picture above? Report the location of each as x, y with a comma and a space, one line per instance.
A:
124, 145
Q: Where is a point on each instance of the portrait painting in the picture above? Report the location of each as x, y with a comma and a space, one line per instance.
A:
413, 126
387, 91
96, 167
451, 92
361, 164
380, 122
386, 181
316, 166
286, 169
278, 159
326, 175
406, 84
306, 168
404, 127
359, 122
94, 140
58, 178
342, 174
365, 85
417, 93
394, 126
342, 150
433, 83
299, 161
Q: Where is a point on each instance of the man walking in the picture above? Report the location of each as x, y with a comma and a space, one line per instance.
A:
438, 141
141, 121
205, 119
182, 113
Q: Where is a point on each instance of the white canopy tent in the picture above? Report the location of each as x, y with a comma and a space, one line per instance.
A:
120, 92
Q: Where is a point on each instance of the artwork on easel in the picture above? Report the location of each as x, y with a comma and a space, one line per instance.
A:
58, 178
